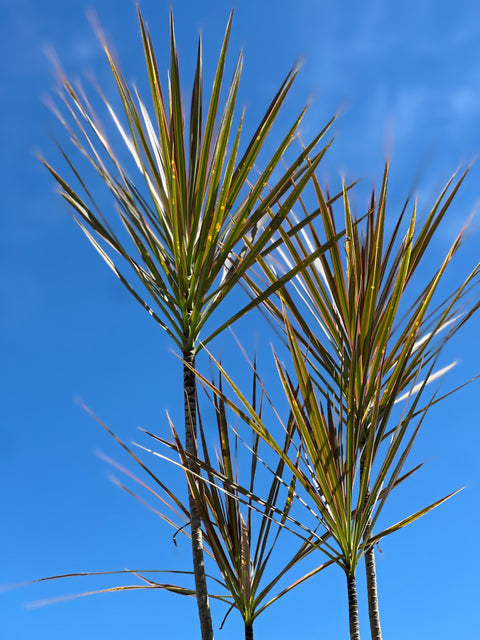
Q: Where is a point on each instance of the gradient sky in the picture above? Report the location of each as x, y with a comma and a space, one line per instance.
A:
406, 78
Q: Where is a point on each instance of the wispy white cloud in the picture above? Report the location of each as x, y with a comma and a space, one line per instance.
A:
84, 49
464, 102
468, 32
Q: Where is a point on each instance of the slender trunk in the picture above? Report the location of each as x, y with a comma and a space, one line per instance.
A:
372, 593
190, 388
353, 608
248, 630
373, 612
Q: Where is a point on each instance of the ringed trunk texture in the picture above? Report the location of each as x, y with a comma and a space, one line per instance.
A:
190, 389
372, 592
353, 608
373, 612
249, 631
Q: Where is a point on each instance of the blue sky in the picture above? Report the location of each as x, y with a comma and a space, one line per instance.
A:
407, 81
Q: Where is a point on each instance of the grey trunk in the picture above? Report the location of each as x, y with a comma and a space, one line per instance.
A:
190, 389
372, 593
373, 612
353, 608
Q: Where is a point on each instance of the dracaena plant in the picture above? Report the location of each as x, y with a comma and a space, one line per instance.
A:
362, 350
244, 506
195, 217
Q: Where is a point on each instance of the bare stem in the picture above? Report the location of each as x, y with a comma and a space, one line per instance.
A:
190, 388
373, 611
353, 608
372, 593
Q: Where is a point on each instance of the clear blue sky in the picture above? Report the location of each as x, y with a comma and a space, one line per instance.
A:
69, 331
